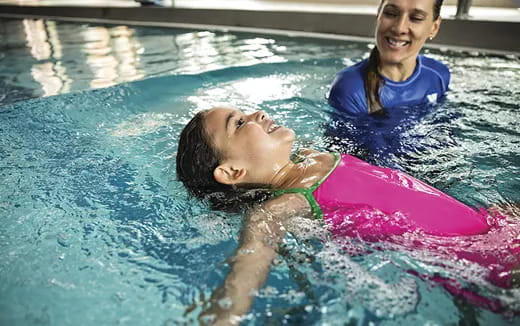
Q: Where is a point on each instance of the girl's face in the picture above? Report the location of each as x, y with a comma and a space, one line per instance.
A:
402, 28
251, 141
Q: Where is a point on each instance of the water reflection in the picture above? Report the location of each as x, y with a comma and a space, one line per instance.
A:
94, 56
37, 40
248, 93
52, 77
45, 47
63, 57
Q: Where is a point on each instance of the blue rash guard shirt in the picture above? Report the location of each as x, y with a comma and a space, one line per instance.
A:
428, 83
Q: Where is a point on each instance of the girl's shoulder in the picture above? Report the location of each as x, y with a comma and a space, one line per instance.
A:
315, 167
323, 159
309, 155
281, 208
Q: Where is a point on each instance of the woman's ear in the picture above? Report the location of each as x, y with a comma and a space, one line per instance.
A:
435, 27
229, 174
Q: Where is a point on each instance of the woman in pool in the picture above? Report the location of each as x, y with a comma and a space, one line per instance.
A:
395, 75
225, 156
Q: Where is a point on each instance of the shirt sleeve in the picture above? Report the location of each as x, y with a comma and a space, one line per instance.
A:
446, 77
440, 69
348, 95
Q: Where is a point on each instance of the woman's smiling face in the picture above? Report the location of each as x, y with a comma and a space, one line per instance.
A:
402, 28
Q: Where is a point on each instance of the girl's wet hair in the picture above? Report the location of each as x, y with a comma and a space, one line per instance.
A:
372, 79
196, 160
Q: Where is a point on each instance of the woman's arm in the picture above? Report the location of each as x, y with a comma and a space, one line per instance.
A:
263, 230
347, 93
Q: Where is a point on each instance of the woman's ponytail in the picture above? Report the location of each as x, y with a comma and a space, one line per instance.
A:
373, 83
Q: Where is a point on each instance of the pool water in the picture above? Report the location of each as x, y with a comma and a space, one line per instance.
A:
97, 231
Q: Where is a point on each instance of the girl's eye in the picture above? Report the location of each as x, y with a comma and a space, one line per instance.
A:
240, 122
416, 18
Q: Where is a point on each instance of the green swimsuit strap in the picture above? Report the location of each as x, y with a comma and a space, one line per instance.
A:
308, 192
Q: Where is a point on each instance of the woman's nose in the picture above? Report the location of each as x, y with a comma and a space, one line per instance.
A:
401, 25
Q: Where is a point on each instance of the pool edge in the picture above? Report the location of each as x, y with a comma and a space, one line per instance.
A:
494, 37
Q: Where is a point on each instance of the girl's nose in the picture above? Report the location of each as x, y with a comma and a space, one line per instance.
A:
260, 115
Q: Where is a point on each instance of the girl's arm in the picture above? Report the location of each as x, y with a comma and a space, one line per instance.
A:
263, 230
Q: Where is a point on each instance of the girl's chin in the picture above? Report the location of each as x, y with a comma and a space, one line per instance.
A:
286, 131
292, 135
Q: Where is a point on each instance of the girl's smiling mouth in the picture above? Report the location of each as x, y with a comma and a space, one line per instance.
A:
272, 127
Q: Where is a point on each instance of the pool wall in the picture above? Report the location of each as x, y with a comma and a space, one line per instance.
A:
491, 36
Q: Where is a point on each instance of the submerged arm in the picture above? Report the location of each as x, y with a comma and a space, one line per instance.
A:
263, 230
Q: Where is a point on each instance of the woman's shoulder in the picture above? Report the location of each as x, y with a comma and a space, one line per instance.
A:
347, 92
353, 72
434, 65
436, 68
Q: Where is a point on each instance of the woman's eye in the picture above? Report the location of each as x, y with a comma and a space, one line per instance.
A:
389, 13
416, 18
240, 122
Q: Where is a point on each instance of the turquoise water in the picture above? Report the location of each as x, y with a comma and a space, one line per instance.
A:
96, 230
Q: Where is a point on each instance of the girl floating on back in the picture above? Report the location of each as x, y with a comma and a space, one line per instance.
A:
233, 159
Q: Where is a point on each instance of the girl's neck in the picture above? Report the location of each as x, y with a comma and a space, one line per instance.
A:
288, 176
303, 174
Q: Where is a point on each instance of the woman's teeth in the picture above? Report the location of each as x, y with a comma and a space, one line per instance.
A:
397, 43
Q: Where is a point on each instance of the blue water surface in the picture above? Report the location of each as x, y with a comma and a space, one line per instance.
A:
96, 230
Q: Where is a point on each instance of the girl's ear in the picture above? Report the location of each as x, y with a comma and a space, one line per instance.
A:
229, 174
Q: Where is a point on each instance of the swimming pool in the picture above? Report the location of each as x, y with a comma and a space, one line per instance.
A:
96, 230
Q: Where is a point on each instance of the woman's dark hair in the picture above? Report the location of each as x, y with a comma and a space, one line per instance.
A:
372, 79
196, 160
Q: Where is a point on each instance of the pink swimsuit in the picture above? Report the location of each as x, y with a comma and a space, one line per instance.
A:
382, 201
358, 199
